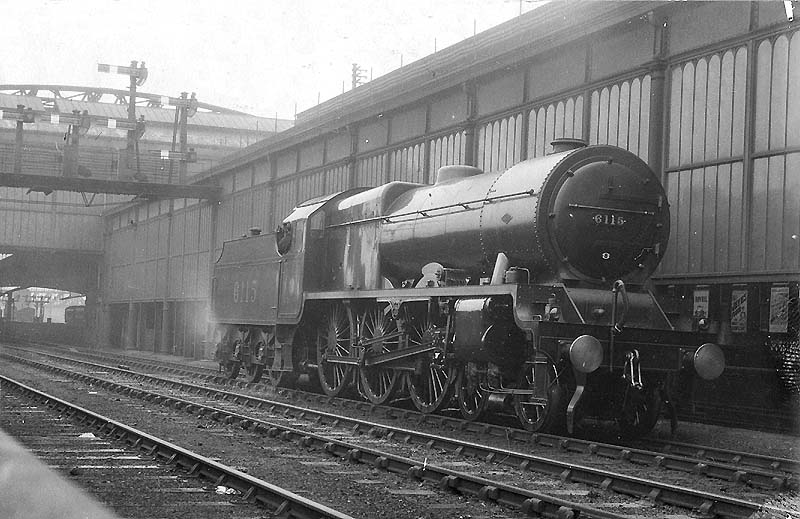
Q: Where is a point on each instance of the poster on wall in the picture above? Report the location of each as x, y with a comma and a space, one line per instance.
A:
779, 309
700, 303
739, 310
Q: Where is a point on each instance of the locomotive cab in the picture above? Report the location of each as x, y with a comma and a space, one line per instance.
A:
257, 294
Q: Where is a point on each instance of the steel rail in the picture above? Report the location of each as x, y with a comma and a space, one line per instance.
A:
528, 501
729, 456
785, 470
706, 503
758, 470
283, 502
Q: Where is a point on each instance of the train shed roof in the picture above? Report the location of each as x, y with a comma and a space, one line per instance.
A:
8, 101
167, 116
525, 37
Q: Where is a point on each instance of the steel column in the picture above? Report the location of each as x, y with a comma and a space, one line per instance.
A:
749, 139
103, 335
166, 327
469, 127
9, 313
133, 138
18, 144
658, 102
184, 140
352, 164
210, 335
130, 328
92, 313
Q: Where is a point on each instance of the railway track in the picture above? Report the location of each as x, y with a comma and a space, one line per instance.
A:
133, 479
357, 489
759, 470
489, 490
703, 502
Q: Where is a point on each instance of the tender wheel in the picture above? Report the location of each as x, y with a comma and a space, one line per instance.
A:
265, 358
334, 339
254, 372
545, 409
472, 400
222, 340
234, 363
256, 369
232, 368
431, 384
640, 411
378, 383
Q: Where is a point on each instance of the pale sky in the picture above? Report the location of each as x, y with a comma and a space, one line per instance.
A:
258, 56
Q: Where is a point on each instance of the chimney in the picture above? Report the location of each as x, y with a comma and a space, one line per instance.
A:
567, 144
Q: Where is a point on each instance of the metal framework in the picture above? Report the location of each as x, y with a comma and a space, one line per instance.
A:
69, 166
46, 184
100, 95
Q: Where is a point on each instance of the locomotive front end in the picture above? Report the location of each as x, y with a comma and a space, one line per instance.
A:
606, 215
578, 233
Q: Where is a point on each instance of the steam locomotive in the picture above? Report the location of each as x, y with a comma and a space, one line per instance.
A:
524, 290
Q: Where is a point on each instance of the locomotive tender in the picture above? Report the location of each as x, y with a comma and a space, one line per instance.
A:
524, 289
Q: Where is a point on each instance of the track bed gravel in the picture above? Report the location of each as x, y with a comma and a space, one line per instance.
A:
355, 489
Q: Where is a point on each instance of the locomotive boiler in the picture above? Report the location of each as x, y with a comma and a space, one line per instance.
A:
524, 290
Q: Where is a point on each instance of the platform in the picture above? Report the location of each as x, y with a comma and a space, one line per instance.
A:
30, 490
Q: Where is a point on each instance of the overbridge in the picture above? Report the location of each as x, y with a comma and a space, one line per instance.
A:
70, 154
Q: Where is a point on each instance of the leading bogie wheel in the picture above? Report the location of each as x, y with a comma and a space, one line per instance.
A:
640, 411
378, 383
545, 409
334, 338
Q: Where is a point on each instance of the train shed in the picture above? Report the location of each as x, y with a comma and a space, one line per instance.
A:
701, 91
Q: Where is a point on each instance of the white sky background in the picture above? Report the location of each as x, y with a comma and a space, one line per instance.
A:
258, 56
